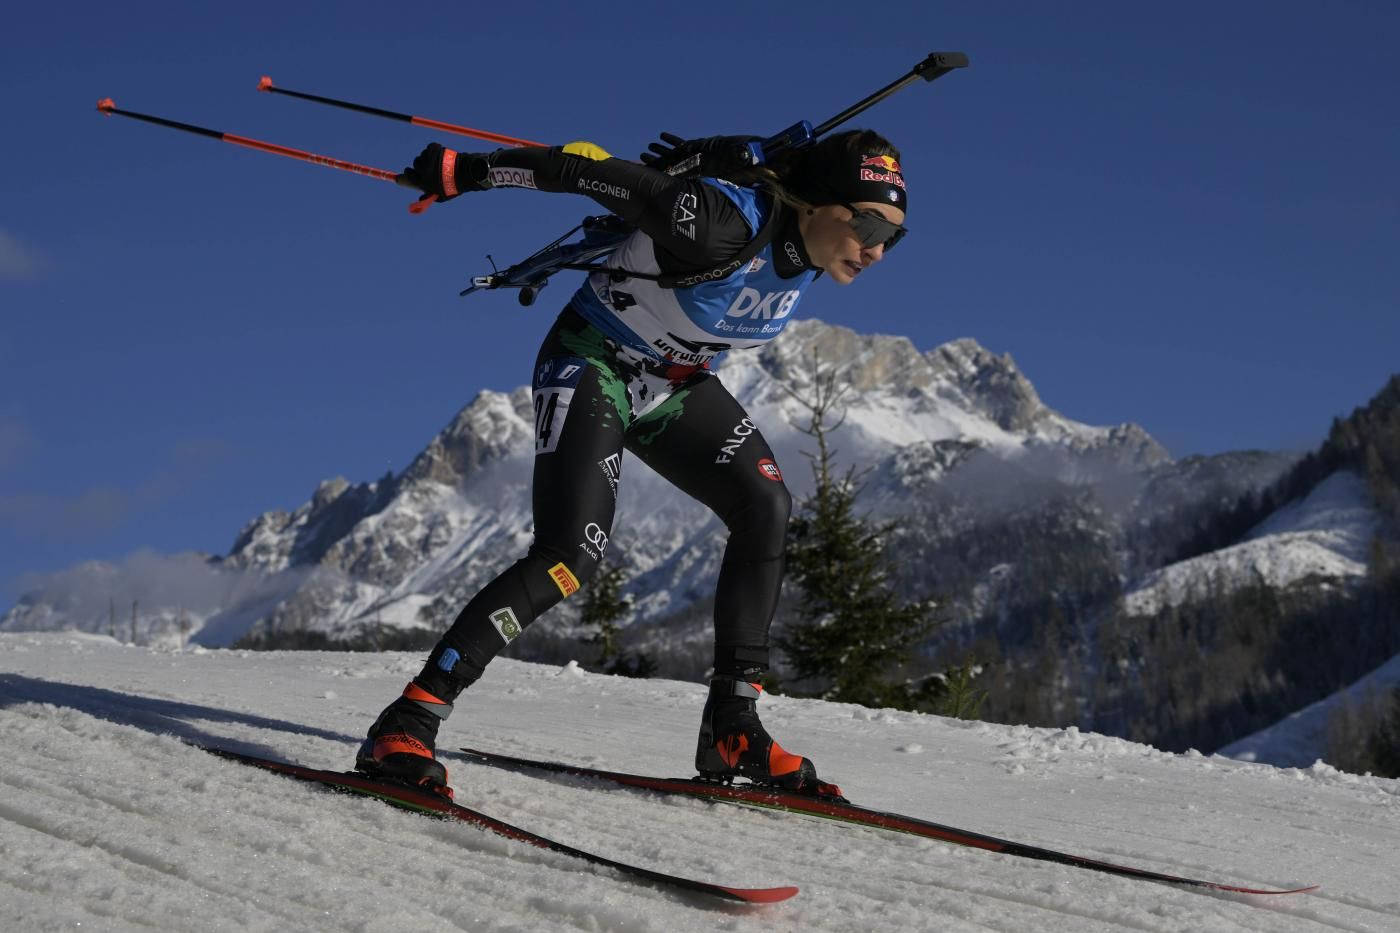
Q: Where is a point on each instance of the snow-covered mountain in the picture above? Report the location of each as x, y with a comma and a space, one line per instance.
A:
109, 821
408, 550
1324, 537
1029, 526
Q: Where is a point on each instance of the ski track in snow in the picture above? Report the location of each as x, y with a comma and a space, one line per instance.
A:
109, 820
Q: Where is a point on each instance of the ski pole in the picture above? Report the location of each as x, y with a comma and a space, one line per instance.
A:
108, 107
266, 85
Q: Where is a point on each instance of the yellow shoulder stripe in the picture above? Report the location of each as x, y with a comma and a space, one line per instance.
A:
588, 150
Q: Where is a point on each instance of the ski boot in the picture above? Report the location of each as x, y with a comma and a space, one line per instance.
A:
400, 743
733, 743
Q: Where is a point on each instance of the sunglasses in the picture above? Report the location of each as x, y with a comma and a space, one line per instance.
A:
872, 229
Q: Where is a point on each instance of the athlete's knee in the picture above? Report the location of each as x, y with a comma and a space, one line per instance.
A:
769, 504
761, 515
781, 502
570, 565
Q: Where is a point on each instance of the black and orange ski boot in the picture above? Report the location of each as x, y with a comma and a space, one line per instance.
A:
400, 743
733, 743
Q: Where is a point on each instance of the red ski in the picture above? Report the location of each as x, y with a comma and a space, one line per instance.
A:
844, 811
427, 802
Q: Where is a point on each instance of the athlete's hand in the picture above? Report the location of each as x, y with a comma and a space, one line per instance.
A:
445, 173
712, 156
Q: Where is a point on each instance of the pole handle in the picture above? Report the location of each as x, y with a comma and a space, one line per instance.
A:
420, 205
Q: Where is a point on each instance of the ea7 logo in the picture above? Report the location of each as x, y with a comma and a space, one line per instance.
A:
683, 215
752, 303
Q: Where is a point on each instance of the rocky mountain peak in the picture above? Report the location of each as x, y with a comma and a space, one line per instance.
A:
495, 425
867, 361
328, 491
962, 371
987, 383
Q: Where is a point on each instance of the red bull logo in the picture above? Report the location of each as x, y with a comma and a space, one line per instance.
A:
886, 178
884, 162
881, 168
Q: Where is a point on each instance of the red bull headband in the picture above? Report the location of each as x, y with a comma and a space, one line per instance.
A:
854, 177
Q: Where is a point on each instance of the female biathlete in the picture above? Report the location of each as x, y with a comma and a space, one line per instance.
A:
718, 261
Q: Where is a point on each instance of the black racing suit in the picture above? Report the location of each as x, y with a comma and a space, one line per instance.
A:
601, 388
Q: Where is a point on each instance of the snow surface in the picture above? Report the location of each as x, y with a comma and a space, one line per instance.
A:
108, 821
1325, 535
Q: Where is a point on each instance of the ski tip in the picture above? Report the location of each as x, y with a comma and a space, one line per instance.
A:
1308, 889
760, 895
264, 83
107, 105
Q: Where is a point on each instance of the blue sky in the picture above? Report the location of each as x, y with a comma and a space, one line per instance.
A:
1182, 216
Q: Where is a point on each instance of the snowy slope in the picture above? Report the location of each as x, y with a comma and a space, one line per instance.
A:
1301, 738
108, 821
1326, 535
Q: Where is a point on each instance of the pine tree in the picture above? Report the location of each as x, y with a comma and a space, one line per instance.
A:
961, 698
854, 634
604, 606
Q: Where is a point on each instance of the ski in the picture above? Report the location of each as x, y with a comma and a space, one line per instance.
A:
844, 811
412, 798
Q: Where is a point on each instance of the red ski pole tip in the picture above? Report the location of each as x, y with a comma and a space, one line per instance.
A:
265, 83
107, 105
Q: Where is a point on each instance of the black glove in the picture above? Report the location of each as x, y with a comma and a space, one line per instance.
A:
711, 156
445, 173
